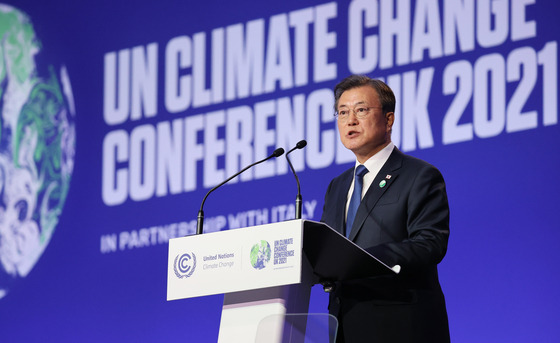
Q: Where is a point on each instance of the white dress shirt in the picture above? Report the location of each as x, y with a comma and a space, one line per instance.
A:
373, 165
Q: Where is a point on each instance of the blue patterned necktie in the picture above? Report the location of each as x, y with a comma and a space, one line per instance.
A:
361, 170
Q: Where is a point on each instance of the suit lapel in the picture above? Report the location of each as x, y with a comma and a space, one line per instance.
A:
384, 179
342, 194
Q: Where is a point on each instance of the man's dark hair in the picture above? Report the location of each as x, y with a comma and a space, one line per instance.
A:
386, 96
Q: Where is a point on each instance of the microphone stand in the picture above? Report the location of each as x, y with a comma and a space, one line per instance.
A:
200, 217
300, 145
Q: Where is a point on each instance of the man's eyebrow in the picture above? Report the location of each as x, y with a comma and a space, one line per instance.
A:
358, 103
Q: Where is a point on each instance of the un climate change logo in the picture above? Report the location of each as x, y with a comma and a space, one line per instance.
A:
37, 139
260, 255
184, 265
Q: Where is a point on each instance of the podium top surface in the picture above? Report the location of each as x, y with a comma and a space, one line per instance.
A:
335, 258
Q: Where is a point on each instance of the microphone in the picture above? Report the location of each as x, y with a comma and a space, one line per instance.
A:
200, 217
300, 145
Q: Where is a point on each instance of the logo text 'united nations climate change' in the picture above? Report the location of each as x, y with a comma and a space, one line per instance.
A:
184, 265
260, 255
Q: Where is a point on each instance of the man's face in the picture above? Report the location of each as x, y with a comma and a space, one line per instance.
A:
368, 135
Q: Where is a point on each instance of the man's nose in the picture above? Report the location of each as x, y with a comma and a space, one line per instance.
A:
352, 118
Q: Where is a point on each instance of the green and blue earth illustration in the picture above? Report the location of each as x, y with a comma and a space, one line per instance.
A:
260, 255
37, 144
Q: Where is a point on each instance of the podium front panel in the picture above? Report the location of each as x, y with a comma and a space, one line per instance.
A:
235, 260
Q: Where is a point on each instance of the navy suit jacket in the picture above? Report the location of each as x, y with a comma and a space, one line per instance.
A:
403, 219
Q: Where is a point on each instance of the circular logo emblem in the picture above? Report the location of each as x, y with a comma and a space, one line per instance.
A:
260, 255
184, 265
37, 138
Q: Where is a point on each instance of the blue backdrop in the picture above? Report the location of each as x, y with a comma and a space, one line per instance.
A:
157, 102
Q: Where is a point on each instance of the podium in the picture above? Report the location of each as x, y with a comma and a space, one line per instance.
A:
266, 273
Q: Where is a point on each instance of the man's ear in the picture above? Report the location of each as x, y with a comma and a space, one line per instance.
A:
390, 117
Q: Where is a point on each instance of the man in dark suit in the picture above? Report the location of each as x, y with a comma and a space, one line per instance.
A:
400, 215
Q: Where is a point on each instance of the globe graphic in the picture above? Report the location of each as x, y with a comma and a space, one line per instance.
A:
37, 143
260, 254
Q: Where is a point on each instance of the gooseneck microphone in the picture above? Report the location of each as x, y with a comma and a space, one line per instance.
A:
200, 217
300, 145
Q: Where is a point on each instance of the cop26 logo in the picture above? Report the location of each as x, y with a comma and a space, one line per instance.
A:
184, 265
260, 255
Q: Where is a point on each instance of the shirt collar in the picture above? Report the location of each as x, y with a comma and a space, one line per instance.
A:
376, 161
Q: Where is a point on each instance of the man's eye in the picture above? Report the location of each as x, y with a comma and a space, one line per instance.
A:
360, 110
342, 113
